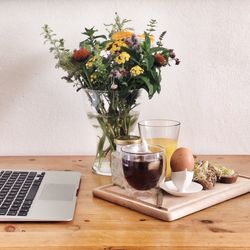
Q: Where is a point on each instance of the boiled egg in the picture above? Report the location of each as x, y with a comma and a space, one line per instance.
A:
181, 160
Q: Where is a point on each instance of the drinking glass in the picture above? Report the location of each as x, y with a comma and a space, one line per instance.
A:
161, 132
143, 169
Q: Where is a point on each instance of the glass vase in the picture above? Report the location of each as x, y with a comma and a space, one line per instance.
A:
112, 114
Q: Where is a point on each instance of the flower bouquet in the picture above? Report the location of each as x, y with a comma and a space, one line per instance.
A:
112, 70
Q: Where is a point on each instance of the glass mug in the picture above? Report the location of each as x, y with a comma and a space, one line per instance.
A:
143, 169
161, 132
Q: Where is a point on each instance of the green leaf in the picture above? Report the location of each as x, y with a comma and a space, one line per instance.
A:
149, 62
100, 36
150, 86
155, 76
89, 32
146, 43
156, 79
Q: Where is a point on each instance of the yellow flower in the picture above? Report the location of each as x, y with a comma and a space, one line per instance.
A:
116, 46
136, 70
89, 63
93, 77
121, 35
108, 45
122, 58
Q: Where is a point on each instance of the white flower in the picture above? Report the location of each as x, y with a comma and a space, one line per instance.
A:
105, 53
114, 86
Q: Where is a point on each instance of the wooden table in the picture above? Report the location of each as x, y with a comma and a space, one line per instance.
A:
102, 225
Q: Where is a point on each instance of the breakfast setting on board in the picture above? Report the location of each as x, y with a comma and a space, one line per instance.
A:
166, 182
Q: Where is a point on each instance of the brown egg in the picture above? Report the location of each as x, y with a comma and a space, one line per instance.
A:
182, 159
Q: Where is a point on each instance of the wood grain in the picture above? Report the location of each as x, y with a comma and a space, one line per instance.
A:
102, 225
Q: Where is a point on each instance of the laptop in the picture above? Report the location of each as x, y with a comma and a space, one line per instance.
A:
32, 195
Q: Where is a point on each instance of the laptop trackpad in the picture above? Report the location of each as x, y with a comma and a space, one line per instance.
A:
59, 192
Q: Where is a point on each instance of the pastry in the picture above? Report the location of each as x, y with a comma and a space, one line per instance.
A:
204, 175
208, 174
224, 175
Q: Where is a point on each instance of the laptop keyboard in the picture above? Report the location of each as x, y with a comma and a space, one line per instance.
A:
17, 191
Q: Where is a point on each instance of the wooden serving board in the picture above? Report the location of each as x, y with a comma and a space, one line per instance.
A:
174, 207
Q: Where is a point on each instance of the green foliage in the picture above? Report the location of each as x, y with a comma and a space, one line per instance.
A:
92, 39
118, 25
151, 26
159, 42
57, 45
124, 61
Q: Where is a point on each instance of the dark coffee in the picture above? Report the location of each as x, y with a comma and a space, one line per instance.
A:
142, 175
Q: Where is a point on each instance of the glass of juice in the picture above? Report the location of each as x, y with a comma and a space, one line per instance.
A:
161, 132
143, 169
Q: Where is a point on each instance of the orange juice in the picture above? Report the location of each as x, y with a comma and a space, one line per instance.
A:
169, 146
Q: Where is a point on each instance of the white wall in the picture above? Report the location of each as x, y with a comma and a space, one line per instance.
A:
209, 92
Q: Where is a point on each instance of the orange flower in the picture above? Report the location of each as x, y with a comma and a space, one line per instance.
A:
80, 54
160, 60
121, 35
142, 37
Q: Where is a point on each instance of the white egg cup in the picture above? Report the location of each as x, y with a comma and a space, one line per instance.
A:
182, 179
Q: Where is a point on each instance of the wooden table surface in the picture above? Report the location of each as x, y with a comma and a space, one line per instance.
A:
99, 224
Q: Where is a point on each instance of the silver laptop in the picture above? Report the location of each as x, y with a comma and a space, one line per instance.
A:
32, 195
